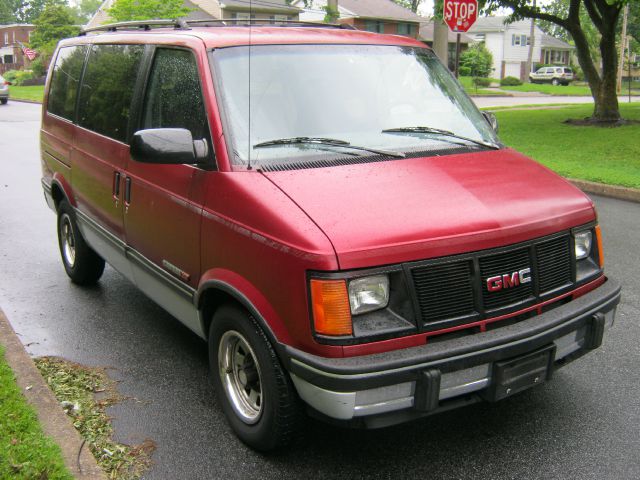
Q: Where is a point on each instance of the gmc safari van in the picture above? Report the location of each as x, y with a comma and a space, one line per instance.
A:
328, 210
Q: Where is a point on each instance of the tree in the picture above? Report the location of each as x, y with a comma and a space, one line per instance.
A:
7, 12
410, 4
477, 60
54, 23
604, 14
123, 10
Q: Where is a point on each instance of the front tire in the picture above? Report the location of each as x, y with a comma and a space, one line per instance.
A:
82, 264
555, 82
256, 394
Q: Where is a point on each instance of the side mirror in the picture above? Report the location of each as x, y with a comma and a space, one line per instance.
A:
167, 146
491, 119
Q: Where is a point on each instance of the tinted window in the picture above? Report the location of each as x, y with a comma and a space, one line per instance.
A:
107, 89
64, 83
568, 70
174, 97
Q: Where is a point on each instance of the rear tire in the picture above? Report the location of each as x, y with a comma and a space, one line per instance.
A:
82, 264
256, 393
555, 82
4, 101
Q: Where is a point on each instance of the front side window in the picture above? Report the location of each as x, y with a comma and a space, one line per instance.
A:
174, 95
107, 89
64, 82
349, 93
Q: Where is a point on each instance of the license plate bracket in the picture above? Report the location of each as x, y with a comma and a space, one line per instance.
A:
517, 374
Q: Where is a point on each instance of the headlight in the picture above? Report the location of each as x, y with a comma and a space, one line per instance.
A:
368, 294
584, 241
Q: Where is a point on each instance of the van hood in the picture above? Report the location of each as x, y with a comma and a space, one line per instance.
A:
413, 209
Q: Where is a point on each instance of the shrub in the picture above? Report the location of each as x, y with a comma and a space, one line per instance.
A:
510, 82
478, 60
481, 82
38, 66
16, 77
464, 71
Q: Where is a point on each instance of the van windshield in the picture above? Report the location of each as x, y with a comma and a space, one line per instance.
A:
311, 104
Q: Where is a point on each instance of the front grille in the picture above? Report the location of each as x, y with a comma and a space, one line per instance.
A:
449, 292
554, 264
444, 290
498, 265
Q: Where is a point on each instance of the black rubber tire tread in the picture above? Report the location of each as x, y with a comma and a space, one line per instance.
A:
4, 101
89, 266
282, 420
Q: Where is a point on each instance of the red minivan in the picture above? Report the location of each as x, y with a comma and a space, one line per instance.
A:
327, 209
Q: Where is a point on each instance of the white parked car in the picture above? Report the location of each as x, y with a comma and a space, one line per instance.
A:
4, 91
552, 75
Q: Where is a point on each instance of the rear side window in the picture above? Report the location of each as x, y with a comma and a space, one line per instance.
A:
174, 96
107, 89
65, 80
568, 70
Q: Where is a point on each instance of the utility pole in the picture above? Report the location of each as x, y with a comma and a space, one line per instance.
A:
532, 42
623, 42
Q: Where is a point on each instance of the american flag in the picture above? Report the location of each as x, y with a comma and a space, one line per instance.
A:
29, 53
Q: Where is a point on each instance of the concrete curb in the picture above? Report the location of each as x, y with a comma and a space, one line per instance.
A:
54, 421
25, 101
613, 191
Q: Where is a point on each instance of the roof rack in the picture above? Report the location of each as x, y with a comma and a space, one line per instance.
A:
181, 24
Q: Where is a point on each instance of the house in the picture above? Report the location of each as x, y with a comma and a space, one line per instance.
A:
509, 45
238, 10
11, 55
425, 35
380, 16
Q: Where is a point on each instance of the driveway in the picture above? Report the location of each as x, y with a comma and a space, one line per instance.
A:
581, 425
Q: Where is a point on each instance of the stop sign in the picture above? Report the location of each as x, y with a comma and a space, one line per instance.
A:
460, 15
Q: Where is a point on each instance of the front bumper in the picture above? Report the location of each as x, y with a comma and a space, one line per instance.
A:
392, 387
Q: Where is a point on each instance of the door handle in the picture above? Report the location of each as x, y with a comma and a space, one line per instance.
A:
127, 191
116, 185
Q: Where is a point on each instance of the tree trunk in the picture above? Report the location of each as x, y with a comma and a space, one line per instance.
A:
606, 100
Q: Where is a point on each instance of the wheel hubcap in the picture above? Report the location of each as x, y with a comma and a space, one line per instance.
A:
240, 375
68, 241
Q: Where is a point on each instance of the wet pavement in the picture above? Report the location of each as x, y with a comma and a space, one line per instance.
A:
584, 424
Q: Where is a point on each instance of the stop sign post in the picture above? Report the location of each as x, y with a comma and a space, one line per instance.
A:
460, 15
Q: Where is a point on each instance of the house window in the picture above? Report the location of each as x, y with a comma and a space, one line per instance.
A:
8, 59
242, 17
405, 29
481, 37
520, 40
6, 38
374, 26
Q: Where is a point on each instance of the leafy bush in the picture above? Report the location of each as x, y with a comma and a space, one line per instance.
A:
481, 82
464, 71
478, 60
510, 82
38, 66
16, 77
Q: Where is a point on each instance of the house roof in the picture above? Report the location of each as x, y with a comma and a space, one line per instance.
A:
549, 41
488, 24
384, 9
426, 34
276, 5
17, 25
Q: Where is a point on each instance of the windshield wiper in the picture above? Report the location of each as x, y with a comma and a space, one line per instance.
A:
331, 142
438, 131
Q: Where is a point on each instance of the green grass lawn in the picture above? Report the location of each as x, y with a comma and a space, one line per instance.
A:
470, 88
34, 93
605, 155
25, 452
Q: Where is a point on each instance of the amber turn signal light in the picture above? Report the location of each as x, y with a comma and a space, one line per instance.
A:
600, 251
331, 310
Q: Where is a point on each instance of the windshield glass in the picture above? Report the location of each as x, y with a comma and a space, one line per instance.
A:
342, 93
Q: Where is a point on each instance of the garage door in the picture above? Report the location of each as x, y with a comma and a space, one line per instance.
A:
512, 69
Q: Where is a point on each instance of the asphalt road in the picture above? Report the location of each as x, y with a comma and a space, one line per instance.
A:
584, 424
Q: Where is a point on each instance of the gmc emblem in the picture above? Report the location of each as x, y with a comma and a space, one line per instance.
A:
508, 280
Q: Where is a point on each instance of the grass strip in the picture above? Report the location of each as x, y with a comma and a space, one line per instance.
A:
85, 393
33, 93
25, 452
598, 154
